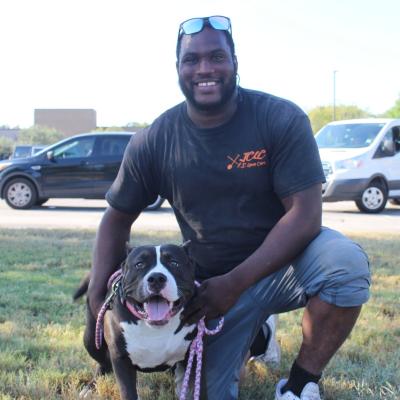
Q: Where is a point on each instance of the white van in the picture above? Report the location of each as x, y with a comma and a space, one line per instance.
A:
361, 161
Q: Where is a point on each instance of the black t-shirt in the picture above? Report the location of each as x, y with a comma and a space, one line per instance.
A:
224, 183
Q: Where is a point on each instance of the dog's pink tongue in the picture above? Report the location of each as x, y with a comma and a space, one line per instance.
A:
157, 309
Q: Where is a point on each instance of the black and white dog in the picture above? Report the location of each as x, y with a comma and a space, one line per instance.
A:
142, 327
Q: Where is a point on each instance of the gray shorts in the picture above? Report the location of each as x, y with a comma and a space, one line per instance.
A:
331, 267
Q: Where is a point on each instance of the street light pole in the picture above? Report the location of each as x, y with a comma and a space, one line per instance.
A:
334, 96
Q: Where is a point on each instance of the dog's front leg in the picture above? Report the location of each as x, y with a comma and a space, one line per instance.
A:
125, 374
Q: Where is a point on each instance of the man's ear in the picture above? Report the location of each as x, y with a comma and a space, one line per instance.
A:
235, 63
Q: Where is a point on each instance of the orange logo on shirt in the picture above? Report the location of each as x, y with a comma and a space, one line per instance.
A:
249, 159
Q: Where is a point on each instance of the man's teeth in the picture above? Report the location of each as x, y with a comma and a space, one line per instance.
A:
213, 83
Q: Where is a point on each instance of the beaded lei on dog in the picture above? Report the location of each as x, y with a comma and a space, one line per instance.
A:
196, 347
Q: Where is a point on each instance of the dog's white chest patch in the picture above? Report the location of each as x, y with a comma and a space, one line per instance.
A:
152, 346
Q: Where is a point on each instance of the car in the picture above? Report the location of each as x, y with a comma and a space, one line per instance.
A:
81, 166
25, 150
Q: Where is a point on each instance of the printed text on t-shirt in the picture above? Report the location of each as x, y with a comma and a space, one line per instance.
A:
248, 159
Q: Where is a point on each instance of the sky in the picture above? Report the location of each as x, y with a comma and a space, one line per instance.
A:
118, 57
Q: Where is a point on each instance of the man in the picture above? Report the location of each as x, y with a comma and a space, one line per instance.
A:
243, 175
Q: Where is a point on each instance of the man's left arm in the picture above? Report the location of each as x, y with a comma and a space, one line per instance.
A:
294, 231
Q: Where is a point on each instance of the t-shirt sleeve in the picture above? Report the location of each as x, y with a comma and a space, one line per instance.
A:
135, 186
295, 160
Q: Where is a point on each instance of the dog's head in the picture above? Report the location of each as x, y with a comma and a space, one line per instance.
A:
157, 281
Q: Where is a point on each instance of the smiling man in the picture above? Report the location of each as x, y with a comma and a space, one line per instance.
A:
242, 172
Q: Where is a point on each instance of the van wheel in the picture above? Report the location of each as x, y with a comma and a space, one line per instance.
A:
20, 194
156, 205
373, 199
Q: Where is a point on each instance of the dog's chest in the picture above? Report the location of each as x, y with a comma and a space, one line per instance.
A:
153, 346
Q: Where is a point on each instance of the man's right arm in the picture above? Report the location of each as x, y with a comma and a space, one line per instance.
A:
109, 251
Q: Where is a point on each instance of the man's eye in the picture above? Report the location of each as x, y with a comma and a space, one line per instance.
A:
189, 60
139, 265
218, 57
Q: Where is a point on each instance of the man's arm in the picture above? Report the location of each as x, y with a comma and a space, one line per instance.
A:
299, 225
109, 251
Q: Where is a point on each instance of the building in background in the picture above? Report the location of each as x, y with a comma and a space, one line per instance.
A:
67, 121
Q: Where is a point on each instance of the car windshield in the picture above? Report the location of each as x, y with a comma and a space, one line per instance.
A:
347, 135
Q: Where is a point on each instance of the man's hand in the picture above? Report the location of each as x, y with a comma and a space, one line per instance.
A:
213, 299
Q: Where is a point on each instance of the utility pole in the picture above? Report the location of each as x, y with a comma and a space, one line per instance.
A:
334, 96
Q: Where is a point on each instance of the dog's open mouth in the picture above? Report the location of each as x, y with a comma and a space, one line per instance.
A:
156, 310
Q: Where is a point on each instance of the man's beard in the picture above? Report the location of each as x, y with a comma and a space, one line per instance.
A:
228, 89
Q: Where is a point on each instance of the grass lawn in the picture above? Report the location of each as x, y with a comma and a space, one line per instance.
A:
41, 350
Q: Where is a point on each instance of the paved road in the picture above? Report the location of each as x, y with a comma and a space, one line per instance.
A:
86, 214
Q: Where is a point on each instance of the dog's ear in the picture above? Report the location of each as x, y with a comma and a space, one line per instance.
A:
186, 244
128, 248
185, 247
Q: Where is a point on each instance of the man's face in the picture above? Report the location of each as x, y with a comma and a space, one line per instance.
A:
206, 70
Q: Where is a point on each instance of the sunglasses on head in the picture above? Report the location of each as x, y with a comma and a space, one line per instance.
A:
196, 25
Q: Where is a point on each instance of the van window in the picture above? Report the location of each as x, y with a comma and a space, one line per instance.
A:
396, 137
347, 135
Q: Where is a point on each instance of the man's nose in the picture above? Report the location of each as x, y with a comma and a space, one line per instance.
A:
205, 66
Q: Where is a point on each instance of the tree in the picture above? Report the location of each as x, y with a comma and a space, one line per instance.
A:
39, 135
6, 147
136, 125
109, 129
393, 112
320, 116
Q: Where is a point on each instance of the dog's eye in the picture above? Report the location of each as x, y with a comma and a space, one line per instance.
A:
174, 264
139, 265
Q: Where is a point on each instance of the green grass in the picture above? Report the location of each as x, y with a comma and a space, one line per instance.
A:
41, 351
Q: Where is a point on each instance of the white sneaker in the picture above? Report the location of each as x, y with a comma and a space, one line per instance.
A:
309, 392
272, 356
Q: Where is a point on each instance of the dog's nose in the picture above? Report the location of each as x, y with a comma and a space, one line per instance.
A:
157, 281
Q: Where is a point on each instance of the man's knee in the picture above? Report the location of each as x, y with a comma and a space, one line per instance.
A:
347, 276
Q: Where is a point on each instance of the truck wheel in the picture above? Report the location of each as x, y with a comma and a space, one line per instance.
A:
156, 205
373, 199
20, 194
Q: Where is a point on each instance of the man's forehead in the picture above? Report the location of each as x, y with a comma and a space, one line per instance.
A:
205, 41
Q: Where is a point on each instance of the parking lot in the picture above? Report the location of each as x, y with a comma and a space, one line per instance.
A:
86, 214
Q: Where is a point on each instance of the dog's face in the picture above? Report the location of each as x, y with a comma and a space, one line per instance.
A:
157, 281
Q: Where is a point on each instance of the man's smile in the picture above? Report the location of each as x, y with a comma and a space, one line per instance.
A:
206, 84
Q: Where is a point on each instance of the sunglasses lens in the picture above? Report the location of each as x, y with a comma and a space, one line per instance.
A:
192, 26
219, 22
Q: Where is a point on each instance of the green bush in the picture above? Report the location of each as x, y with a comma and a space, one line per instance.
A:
39, 135
6, 147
